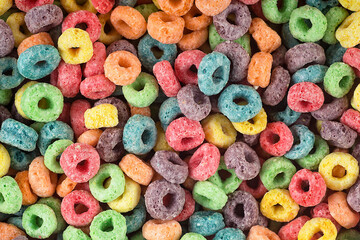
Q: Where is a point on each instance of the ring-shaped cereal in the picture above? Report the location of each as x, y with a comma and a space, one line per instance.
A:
42, 38
28, 197
16, 21
11, 195
193, 39
257, 125
270, 208
52, 152
103, 6
5, 161
73, 6
136, 219
65, 186
128, 22
259, 232
312, 161
156, 229
176, 8
75, 46
12, 80
344, 161
316, 225
341, 211
25, 5
18, 96
353, 5
276, 15
136, 169
110, 35
108, 224
212, 7
167, 29
195, 22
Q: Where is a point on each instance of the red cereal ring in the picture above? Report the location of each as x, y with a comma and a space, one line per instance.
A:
176, 8
322, 211
79, 200
189, 208
352, 58
184, 134
193, 39
254, 186
276, 139
184, 64
305, 97
93, 25
97, 87
26, 5
307, 188
291, 230
65, 114
351, 118
196, 20
103, 6
95, 65
166, 78
77, 119
80, 162
212, 7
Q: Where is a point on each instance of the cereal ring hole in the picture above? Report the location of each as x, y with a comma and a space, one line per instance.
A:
107, 225
278, 208
74, 51
193, 69
224, 174
231, 18
253, 183
280, 5
108, 27
345, 82
168, 200
273, 138
80, 208
158, 53
187, 141
107, 182
36, 222
44, 104
239, 210
304, 24
2, 198
22, 29
217, 76
41, 64
167, 18
7, 71
279, 177
240, 101
82, 166
82, 26
338, 171
146, 137
200, 99
305, 186
81, 2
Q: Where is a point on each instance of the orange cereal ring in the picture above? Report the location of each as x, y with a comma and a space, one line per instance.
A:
189, 183
212, 7
42, 181
161, 230
22, 179
90, 137
36, 39
128, 22
65, 186
195, 22
122, 67
145, 111
261, 233
176, 8
136, 169
9, 231
267, 39
260, 69
165, 28
193, 40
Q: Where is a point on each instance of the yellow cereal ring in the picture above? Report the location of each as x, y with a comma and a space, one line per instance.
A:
249, 128
348, 33
316, 225
355, 100
161, 143
73, 6
18, 96
75, 46
353, 5
4, 161
108, 33
129, 199
345, 160
318, 125
16, 21
5, 5
270, 208
103, 115
219, 130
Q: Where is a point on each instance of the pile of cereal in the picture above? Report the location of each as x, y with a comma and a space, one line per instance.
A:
179, 119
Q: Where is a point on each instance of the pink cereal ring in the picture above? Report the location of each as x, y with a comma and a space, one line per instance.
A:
67, 78
97, 87
189, 208
184, 64
351, 118
78, 198
90, 19
276, 139
95, 65
322, 211
166, 78
65, 114
291, 230
352, 58
307, 188
103, 6
77, 119
305, 97
26, 5
184, 134
80, 162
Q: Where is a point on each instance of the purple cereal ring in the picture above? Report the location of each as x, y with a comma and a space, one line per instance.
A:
193, 103
304, 119
250, 140
6, 39
110, 146
279, 56
241, 211
338, 134
232, 31
123, 109
243, 159
333, 110
43, 18
170, 166
239, 59
121, 45
276, 91
174, 199
304, 54
353, 197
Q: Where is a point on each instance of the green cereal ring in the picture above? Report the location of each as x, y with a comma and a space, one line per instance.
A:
72, 233
209, 195
299, 27
348, 234
37, 126
53, 153
147, 9
230, 184
277, 172
335, 16
137, 236
39, 221
215, 39
109, 225
51, 98
193, 236
339, 79
10, 195
5, 96
116, 186
142, 92
276, 15
55, 205
319, 151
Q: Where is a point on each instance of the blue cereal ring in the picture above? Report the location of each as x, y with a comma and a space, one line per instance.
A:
322, 5
288, 116
18, 135
206, 223
288, 40
20, 160
9, 73
306, 141
168, 112
147, 57
139, 135
137, 218
313, 73
334, 54
17, 221
38, 61
230, 234
235, 112
53, 131
213, 73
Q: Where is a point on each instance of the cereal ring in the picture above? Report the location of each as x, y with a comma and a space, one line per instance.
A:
12, 80
110, 35
291, 230
347, 33
5, 161
288, 116
196, 20
46, 223
52, 152
350, 234
65, 186
274, 14
332, 110
304, 140
322, 211
341, 211
305, 97
277, 172
52, 131
158, 229
25, 6
73, 6
138, 217
97, 87
192, 236
206, 223
55, 205
161, 143
43, 18
72, 232
316, 225
213, 7
123, 109
5, 6
77, 120
11, 232
11, 195
177, 9
267, 39
168, 112
109, 146
42, 181
335, 16
338, 134
258, 125
352, 5
339, 79
352, 197
42, 38
350, 119
165, 75
16, 21
103, 115
209, 195
260, 69
184, 63
261, 233
277, 89
109, 219
193, 39
20, 160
